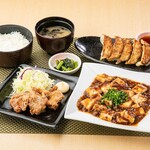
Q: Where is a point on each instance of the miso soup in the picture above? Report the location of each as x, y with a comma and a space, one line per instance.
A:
55, 32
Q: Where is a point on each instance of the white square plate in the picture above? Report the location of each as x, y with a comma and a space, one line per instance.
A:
89, 71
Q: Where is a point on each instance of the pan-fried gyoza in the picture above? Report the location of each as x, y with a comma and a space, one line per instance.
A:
127, 50
145, 58
115, 99
117, 49
107, 48
132, 52
136, 53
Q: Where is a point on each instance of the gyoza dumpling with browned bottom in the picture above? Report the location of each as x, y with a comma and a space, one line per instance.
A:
136, 53
127, 50
117, 49
145, 58
107, 47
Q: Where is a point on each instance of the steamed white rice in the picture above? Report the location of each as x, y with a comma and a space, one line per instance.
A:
12, 41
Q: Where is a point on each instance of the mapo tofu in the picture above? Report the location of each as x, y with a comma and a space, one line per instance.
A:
116, 99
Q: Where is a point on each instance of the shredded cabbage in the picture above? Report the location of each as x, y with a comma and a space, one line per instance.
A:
30, 77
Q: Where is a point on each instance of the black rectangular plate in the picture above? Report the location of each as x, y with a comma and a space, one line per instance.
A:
91, 47
50, 117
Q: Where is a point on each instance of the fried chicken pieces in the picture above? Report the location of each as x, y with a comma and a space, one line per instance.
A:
125, 50
37, 100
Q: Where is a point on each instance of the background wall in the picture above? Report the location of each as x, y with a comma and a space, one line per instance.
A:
91, 17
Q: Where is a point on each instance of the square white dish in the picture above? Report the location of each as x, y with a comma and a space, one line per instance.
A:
88, 72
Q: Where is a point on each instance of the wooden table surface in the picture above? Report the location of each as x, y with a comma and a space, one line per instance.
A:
91, 17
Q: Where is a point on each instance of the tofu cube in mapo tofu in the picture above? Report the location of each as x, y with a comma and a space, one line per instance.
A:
117, 82
105, 87
88, 103
105, 116
130, 118
120, 120
139, 88
138, 98
126, 104
108, 103
135, 105
129, 92
140, 111
98, 107
103, 78
125, 116
92, 92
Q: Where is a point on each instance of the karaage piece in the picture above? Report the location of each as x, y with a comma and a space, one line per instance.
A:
145, 58
117, 49
36, 99
107, 47
55, 98
19, 102
127, 50
37, 102
136, 53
